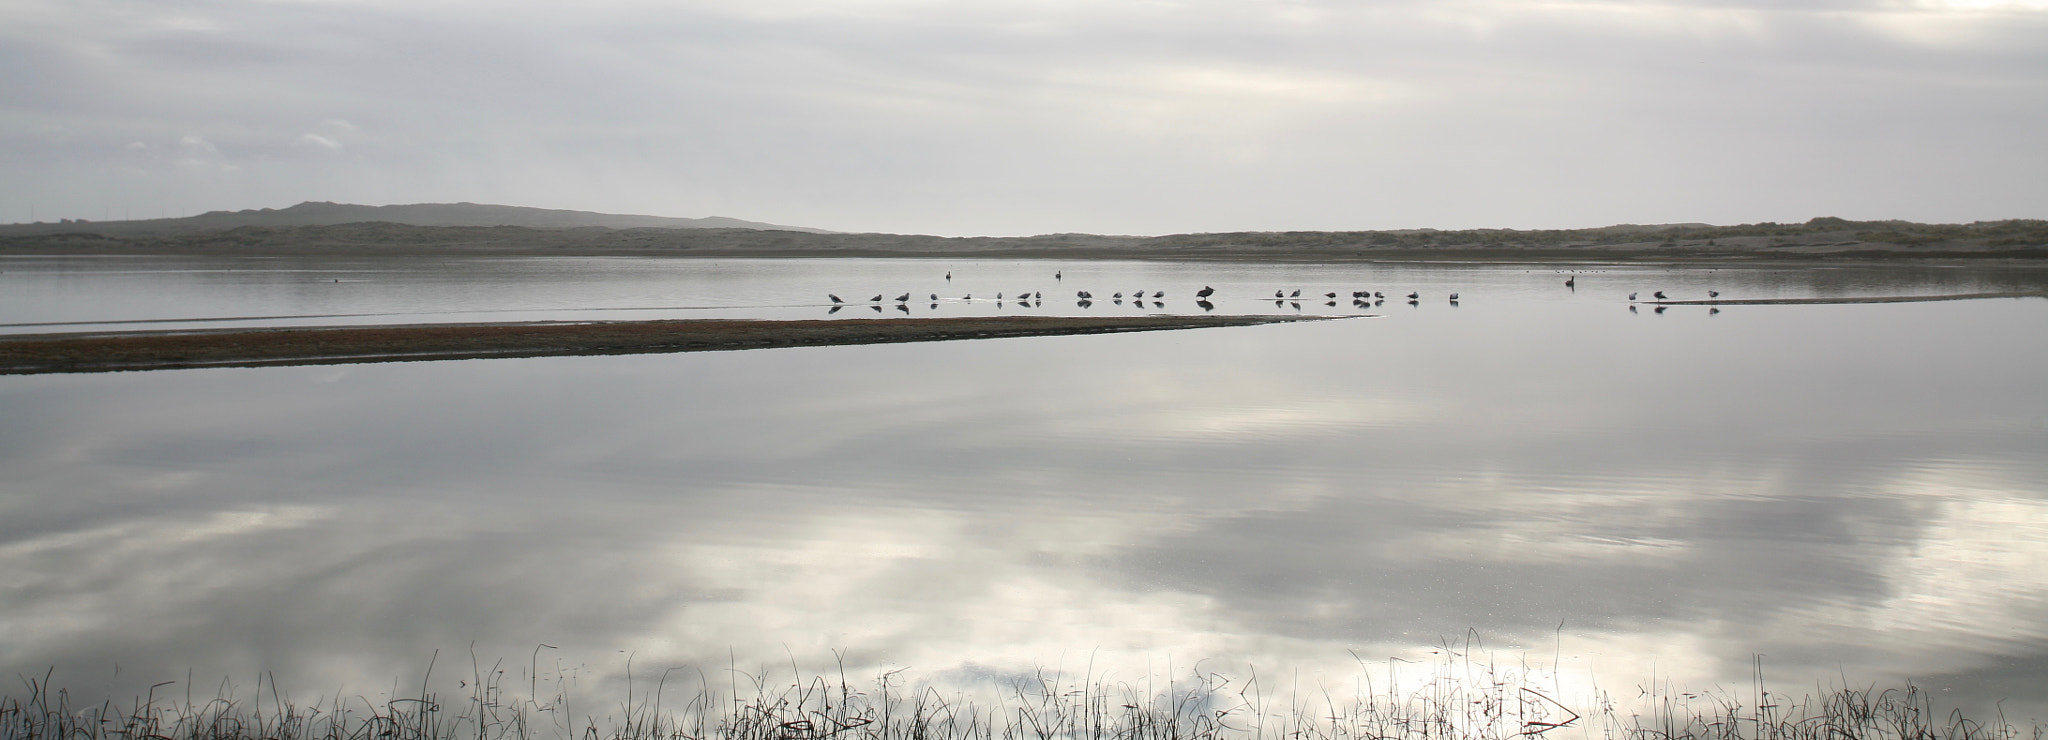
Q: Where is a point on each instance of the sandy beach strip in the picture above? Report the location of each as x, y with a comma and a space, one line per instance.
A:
167, 350
1845, 300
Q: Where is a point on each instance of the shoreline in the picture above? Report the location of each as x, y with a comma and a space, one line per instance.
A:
1844, 301
32, 354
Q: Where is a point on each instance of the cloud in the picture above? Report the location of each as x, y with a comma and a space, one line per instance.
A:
1009, 117
317, 141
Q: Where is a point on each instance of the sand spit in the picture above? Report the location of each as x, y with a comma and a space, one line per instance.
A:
1847, 300
167, 350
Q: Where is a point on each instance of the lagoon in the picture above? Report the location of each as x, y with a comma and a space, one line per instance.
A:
1621, 499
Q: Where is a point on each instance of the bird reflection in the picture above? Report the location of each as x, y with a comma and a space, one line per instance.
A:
935, 307
877, 308
1711, 310
1329, 303
1632, 308
1205, 305
1660, 310
835, 309
904, 307
1084, 303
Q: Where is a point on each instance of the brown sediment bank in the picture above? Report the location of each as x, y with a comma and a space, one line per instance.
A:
1858, 299
167, 350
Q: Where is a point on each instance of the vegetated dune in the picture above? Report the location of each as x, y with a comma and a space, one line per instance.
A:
1818, 238
416, 214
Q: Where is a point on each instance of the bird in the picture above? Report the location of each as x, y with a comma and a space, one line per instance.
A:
1055, 274
1082, 294
1571, 282
1379, 295
1631, 297
968, 297
905, 298
1660, 309
876, 299
935, 297
1117, 295
1279, 294
1454, 296
999, 296
1713, 294
835, 299
1296, 294
1205, 292
1332, 296
1158, 294
1037, 296
1414, 295
1659, 295
949, 276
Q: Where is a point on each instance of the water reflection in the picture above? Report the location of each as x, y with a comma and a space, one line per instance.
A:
1680, 494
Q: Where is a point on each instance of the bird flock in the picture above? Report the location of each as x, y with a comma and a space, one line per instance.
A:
1283, 297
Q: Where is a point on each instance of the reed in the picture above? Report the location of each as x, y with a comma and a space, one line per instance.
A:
1452, 702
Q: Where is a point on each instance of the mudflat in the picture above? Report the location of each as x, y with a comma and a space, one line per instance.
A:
166, 350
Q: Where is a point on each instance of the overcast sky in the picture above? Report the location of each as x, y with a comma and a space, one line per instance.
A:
1031, 116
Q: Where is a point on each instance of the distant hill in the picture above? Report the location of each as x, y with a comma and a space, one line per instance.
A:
418, 214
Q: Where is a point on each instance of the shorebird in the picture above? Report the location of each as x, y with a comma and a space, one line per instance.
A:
1158, 294
949, 276
876, 299
1279, 294
1659, 295
1296, 294
1331, 296
905, 298
1117, 295
1378, 295
1454, 296
999, 296
968, 297
935, 297
1082, 294
1205, 292
1055, 274
1414, 295
1713, 294
1631, 297
1571, 282
835, 299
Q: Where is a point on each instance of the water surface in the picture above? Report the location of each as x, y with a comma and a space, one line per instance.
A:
1854, 491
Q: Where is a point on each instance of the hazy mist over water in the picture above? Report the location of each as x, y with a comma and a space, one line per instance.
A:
1848, 490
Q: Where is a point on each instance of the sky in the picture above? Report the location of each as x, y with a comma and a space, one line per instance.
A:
1014, 117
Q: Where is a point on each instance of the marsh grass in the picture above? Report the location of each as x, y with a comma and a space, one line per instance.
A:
1457, 699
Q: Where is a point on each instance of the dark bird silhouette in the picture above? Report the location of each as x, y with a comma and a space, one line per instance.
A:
1379, 296
1454, 296
904, 307
1055, 275
1204, 305
968, 297
1279, 294
1631, 297
905, 298
1083, 294
935, 297
1571, 282
1117, 295
835, 309
1296, 294
1330, 295
1660, 309
1037, 296
835, 299
1713, 294
1659, 295
1205, 292
1158, 294
999, 296
876, 299
1084, 303
949, 276
1711, 310
1414, 295
1632, 308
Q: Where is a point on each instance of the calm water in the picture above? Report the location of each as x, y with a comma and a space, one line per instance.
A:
1854, 491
